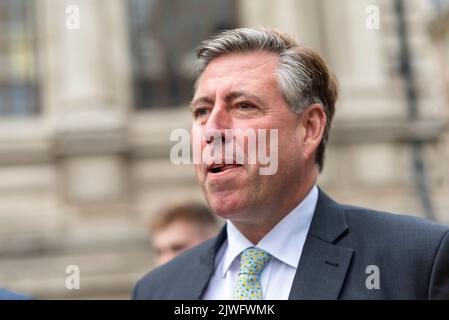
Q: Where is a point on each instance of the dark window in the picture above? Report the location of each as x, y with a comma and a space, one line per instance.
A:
18, 86
164, 34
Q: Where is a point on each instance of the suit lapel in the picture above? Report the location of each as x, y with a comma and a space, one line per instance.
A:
202, 272
321, 271
323, 265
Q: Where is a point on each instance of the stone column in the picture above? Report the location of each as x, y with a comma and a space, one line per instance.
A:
92, 100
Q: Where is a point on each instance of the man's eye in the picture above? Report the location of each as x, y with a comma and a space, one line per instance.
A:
200, 112
178, 247
245, 106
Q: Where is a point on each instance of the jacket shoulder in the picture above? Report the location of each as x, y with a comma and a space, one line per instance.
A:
164, 281
407, 250
395, 238
393, 224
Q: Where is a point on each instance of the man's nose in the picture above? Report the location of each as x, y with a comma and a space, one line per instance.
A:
218, 121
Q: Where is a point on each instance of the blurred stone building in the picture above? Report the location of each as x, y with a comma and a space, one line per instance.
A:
86, 116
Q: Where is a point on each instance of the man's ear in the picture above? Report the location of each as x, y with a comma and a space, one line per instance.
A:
313, 122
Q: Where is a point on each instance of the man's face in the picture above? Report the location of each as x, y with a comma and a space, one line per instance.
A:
177, 237
240, 91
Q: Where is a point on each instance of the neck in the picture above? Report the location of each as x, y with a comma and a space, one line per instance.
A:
255, 231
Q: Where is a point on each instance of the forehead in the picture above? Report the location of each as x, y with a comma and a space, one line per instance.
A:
239, 71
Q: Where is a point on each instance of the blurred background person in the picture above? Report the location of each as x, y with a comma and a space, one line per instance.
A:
178, 228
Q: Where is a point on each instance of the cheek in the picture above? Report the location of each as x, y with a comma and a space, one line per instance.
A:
196, 134
290, 150
292, 133
197, 145
198, 171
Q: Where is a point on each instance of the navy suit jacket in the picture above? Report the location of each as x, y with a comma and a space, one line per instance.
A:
410, 258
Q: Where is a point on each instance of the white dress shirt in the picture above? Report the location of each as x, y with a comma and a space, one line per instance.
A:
284, 243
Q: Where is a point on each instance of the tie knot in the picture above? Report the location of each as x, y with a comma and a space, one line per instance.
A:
253, 260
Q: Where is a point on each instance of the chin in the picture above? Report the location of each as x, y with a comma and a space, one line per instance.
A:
228, 206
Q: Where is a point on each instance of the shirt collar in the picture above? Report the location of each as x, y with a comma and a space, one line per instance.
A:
284, 242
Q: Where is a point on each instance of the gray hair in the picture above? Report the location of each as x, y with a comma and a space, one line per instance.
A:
302, 75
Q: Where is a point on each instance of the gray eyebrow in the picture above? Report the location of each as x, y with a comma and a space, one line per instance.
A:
236, 94
201, 99
229, 97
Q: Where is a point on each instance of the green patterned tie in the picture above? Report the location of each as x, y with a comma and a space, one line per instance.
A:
252, 262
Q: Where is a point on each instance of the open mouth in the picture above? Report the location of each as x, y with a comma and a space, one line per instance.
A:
217, 168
